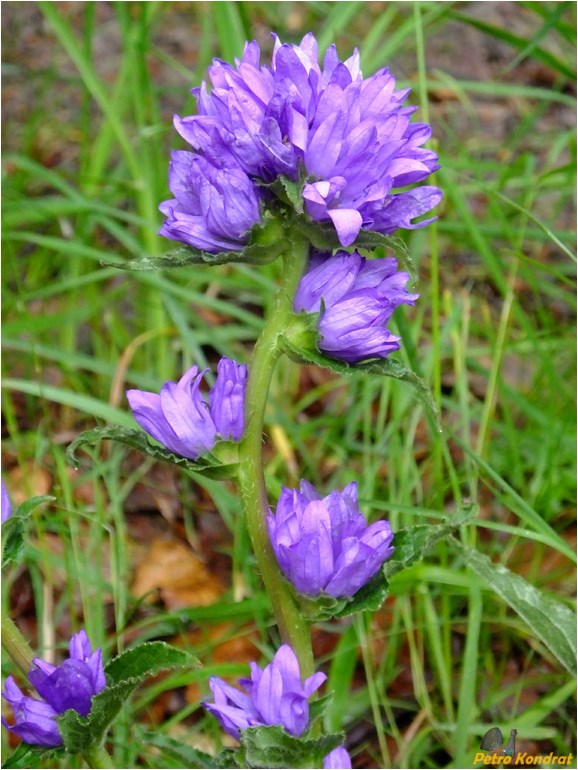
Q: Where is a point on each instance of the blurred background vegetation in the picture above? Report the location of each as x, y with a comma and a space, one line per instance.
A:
132, 550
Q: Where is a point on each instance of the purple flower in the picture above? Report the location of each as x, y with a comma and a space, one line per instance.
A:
355, 298
227, 399
6, 505
324, 545
180, 418
338, 759
71, 685
348, 137
274, 695
214, 206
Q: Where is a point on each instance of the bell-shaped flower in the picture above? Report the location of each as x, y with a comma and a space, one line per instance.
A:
227, 399
348, 137
355, 298
181, 419
323, 544
71, 685
214, 206
274, 695
338, 759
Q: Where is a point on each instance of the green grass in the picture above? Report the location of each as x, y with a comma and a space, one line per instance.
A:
419, 682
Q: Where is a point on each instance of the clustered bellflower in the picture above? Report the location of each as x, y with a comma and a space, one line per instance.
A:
71, 685
323, 544
355, 298
346, 139
181, 419
274, 695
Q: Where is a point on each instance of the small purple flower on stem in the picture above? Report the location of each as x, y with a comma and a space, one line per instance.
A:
356, 298
349, 137
6, 505
227, 399
338, 759
274, 695
71, 685
324, 545
214, 206
181, 420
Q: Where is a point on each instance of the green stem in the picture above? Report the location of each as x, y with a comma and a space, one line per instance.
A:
16, 646
98, 757
294, 629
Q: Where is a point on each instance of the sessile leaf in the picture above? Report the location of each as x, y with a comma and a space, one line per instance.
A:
208, 465
273, 747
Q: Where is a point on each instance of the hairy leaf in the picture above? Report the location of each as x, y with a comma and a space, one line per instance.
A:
273, 747
208, 464
266, 242
13, 529
552, 622
28, 757
386, 367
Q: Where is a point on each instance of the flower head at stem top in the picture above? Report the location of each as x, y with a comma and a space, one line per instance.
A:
71, 685
181, 419
275, 695
356, 298
348, 140
323, 544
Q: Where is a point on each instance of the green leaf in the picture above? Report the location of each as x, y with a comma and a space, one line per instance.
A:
12, 541
226, 759
147, 660
267, 241
186, 755
13, 529
413, 543
386, 367
26, 508
552, 622
124, 674
207, 465
273, 747
318, 707
27, 756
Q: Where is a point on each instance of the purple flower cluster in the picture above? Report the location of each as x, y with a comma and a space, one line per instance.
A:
274, 695
323, 545
68, 686
346, 137
355, 298
183, 421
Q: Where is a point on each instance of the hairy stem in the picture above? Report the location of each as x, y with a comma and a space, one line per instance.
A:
98, 757
16, 646
294, 629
